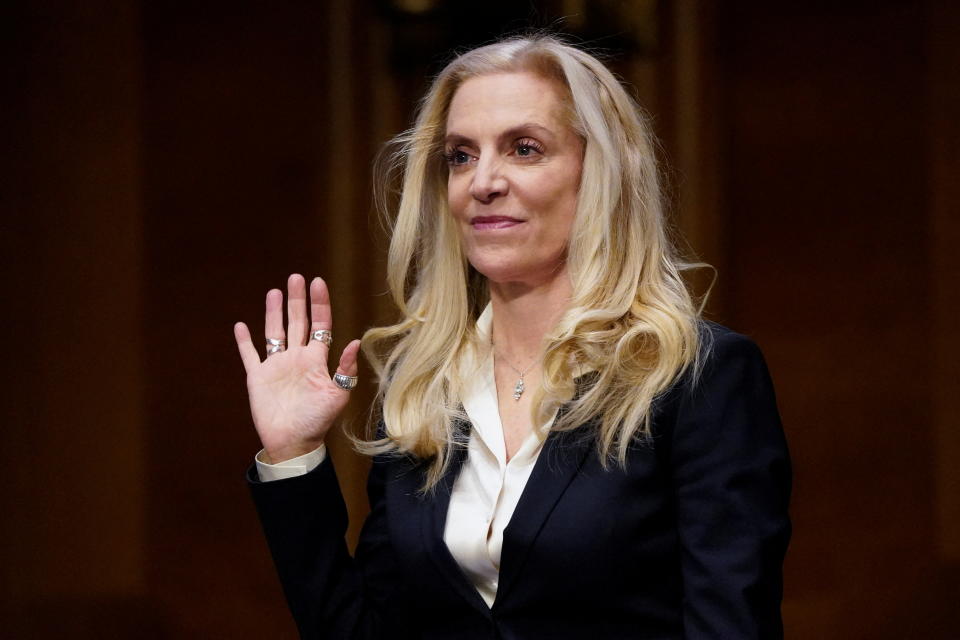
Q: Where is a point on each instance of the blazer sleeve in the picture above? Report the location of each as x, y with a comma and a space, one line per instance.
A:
731, 473
330, 594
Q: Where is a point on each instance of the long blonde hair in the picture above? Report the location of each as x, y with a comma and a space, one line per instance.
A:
631, 319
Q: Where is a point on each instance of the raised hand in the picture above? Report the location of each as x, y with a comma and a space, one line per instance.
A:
293, 398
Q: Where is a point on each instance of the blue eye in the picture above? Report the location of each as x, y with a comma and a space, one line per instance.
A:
527, 148
456, 157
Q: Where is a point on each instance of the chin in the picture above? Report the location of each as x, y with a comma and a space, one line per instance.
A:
502, 272
496, 270
498, 273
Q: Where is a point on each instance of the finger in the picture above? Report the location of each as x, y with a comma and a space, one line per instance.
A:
248, 352
320, 314
273, 320
348, 359
296, 310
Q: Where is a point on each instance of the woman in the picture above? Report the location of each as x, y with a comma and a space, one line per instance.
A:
565, 449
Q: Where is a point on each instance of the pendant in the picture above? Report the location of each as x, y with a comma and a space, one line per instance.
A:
518, 389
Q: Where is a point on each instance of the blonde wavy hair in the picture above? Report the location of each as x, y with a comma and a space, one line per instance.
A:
631, 319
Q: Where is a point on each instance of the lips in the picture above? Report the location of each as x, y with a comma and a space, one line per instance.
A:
494, 222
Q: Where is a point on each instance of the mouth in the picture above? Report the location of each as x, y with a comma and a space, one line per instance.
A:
494, 222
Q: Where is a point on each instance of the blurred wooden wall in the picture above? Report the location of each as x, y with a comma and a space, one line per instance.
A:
168, 162
834, 228
75, 498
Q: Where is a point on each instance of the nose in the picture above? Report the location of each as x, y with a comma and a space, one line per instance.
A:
489, 182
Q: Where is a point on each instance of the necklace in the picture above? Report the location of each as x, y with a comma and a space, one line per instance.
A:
518, 387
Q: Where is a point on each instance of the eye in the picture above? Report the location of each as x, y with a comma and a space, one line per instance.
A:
527, 148
456, 157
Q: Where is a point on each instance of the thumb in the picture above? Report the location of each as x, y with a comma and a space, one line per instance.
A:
348, 359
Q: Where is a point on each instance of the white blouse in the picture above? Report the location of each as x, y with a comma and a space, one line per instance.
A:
488, 487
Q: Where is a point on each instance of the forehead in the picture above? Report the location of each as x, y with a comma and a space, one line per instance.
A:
505, 100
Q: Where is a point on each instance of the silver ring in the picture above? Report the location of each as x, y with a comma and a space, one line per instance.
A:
344, 382
323, 336
275, 345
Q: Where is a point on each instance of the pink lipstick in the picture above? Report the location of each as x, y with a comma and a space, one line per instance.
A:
493, 222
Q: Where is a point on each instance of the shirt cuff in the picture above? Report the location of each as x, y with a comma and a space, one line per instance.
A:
301, 465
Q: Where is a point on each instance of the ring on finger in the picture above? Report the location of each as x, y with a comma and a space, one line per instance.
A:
275, 345
322, 335
344, 382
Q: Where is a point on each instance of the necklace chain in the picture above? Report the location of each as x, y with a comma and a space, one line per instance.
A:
519, 386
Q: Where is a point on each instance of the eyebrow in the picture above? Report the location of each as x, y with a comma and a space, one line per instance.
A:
513, 132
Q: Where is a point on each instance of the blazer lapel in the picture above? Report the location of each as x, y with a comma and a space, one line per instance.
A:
433, 522
557, 465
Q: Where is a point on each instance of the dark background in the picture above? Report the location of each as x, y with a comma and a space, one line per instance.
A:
165, 163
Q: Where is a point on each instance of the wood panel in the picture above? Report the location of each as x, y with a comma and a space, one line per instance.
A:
73, 421
826, 230
235, 139
943, 140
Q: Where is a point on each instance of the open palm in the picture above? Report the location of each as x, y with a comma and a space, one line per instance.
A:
293, 398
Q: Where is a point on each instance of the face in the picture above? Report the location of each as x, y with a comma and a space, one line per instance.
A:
514, 175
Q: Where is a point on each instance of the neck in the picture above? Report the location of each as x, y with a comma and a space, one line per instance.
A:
523, 313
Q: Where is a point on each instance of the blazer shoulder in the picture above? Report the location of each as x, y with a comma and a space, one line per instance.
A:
720, 349
722, 353
717, 340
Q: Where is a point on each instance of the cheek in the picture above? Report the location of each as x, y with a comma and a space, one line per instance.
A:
559, 221
568, 205
559, 234
558, 207
456, 196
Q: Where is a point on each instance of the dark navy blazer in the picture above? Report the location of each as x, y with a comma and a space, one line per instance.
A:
686, 541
